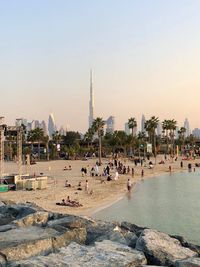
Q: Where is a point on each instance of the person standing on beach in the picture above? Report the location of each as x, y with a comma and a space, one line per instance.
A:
129, 185
132, 170
86, 186
142, 173
181, 164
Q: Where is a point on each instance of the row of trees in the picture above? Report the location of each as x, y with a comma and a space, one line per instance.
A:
131, 142
94, 140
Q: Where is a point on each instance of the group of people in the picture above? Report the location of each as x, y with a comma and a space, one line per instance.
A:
70, 203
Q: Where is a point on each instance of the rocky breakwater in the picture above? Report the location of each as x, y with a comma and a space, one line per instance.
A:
33, 237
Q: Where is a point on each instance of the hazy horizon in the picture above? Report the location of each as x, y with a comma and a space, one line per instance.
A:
144, 55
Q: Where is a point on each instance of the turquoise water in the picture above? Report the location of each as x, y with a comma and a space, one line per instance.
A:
170, 203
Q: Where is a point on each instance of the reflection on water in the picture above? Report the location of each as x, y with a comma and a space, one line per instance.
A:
169, 203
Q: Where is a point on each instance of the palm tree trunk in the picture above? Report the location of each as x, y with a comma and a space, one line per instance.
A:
39, 150
99, 150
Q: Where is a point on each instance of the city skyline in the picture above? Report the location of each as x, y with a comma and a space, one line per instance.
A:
144, 56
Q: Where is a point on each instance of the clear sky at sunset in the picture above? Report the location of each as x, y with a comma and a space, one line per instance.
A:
145, 56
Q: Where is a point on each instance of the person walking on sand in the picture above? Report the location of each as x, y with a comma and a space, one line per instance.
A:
132, 170
86, 186
129, 185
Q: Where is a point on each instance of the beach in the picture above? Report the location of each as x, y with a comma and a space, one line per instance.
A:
100, 194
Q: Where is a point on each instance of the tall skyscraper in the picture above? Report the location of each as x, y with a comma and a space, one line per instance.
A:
43, 127
51, 125
187, 127
143, 123
127, 129
91, 102
159, 128
110, 124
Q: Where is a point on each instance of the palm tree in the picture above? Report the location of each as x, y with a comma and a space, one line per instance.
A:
88, 137
181, 137
150, 126
46, 141
39, 137
141, 141
172, 128
132, 124
169, 125
97, 126
56, 138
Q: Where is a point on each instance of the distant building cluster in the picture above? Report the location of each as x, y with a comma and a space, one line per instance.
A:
50, 130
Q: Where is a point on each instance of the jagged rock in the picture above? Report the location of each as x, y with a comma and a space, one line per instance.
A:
186, 244
99, 231
132, 228
161, 249
103, 254
37, 218
7, 227
23, 243
12, 212
69, 221
191, 262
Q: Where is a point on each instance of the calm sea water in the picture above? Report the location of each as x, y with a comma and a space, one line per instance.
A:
170, 203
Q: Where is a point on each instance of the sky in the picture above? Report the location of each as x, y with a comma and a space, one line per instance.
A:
145, 56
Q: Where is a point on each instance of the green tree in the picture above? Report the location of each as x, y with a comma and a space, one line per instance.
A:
150, 126
132, 124
97, 126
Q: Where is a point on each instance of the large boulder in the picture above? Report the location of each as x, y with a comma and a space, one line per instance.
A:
103, 254
161, 249
9, 213
23, 243
37, 218
191, 262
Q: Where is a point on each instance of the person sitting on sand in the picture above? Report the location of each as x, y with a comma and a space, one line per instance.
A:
109, 178
67, 184
65, 168
79, 186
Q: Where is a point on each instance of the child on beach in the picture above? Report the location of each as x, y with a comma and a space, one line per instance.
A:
129, 185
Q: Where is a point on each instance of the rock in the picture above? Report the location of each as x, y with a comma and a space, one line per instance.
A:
191, 262
161, 249
103, 254
37, 218
2, 260
14, 211
23, 243
68, 221
75, 235
132, 228
99, 231
186, 244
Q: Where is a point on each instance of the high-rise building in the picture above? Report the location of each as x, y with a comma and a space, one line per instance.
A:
37, 124
196, 132
62, 131
91, 102
159, 128
143, 120
20, 122
110, 125
187, 127
127, 129
43, 126
51, 125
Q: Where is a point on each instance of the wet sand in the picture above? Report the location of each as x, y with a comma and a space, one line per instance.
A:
103, 194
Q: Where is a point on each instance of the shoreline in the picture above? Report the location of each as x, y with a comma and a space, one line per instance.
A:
104, 196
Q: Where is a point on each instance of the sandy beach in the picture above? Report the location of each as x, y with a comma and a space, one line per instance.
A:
103, 194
